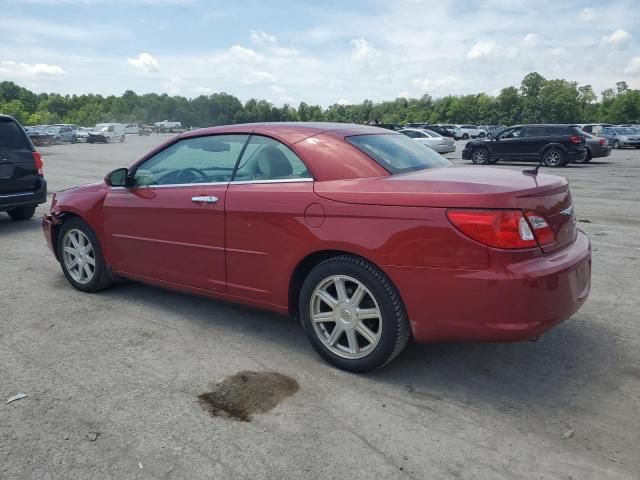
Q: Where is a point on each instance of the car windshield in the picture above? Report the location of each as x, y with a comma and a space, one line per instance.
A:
432, 134
398, 153
626, 131
10, 134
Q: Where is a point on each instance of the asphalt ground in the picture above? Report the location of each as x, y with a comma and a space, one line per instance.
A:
117, 382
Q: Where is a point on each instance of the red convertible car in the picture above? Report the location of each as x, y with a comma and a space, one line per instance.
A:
368, 236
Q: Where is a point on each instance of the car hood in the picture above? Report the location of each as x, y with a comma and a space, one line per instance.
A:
477, 187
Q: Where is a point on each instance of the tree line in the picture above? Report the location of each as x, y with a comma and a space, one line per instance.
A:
536, 100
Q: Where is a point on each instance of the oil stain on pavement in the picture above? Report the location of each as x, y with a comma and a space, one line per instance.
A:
245, 393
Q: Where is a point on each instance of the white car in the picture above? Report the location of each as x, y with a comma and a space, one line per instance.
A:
132, 129
471, 131
82, 134
431, 139
107, 132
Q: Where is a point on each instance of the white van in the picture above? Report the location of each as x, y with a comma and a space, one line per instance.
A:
107, 132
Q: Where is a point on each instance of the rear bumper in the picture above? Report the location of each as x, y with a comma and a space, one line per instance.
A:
12, 200
507, 302
573, 155
444, 148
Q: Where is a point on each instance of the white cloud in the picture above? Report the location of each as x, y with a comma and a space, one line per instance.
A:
425, 84
144, 62
483, 48
258, 77
587, 14
531, 40
633, 67
17, 70
619, 39
261, 39
362, 50
343, 101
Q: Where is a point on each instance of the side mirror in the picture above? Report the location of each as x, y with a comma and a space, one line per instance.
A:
117, 178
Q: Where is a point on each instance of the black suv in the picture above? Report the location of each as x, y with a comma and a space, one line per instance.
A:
22, 185
552, 145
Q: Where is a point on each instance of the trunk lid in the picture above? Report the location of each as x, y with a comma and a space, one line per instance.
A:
17, 166
466, 187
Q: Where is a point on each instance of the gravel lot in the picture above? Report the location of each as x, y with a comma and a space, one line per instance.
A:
113, 379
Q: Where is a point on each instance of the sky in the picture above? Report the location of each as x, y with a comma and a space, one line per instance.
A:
320, 52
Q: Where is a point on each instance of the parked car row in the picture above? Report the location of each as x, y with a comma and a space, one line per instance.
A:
43, 135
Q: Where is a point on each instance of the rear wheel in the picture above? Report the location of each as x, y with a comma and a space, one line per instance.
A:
480, 156
352, 314
585, 159
465, 136
554, 157
22, 213
122, 139
74, 139
106, 139
81, 257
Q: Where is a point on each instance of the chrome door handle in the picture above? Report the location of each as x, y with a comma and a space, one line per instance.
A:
204, 199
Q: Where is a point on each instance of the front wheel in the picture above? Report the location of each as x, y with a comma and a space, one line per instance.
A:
616, 144
81, 257
465, 136
22, 213
553, 158
480, 156
352, 314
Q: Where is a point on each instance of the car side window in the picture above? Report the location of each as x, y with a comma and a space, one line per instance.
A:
534, 132
209, 159
409, 133
513, 133
267, 159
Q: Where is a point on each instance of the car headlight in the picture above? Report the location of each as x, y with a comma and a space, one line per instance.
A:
624, 139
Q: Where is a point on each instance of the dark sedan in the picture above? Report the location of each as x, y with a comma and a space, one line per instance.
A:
596, 147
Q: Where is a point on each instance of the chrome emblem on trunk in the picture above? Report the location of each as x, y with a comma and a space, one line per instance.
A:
567, 211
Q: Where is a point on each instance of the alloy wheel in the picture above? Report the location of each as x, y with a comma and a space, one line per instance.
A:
553, 158
78, 256
346, 317
479, 156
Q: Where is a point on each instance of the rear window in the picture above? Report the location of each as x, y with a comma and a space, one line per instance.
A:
11, 134
397, 153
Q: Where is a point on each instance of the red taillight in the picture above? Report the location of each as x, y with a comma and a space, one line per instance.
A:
602, 141
503, 228
495, 228
37, 158
577, 139
541, 228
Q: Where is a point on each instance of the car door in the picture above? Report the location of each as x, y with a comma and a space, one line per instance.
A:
271, 209
170, 224
533, 140
506, 143
18, 171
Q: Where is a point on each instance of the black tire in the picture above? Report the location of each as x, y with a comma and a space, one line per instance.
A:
554, 158
106, 139
22, 213
395, 330
74, 139
122, 139
587, 158
615, 144
481, 135
102, 276
480, 156
465, 136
